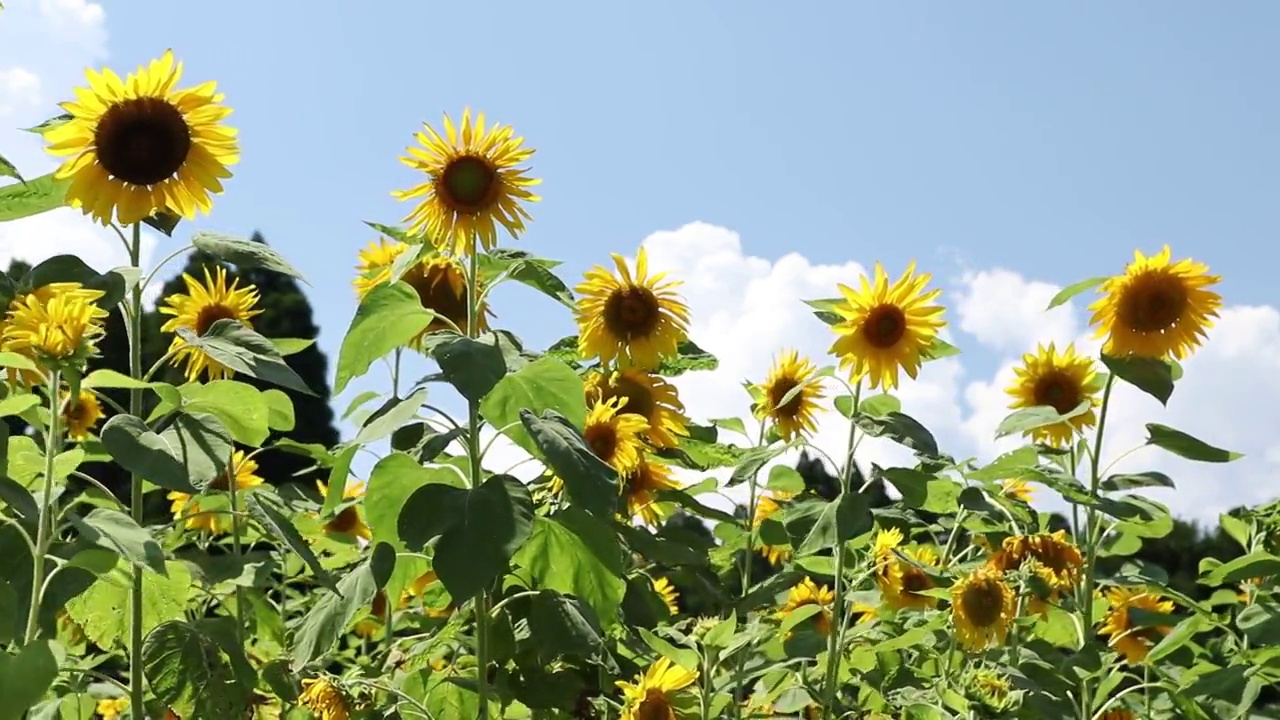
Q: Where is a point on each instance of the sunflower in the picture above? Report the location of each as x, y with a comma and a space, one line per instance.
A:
649, 396
1133, 642
81, 414
1017, 489
243, 469
140, 146
369, 626
637, 319
1061, 380
1117, 714
796, 415
667, 592
886, 327
349, 522
472, 183
113, 708
901, 582
56, 323
641, 488
418, 586
766, 506
1157, 308
990, 689
439, 280
863, 612
198, 309
615, 436
1051, 556
807, 592
654, 695
324, 699
982, 606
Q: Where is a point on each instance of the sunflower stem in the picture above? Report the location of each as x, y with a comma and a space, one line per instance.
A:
477, 477
1091, 550
837, 605
746, 569
134, 317
44, 532
236, 547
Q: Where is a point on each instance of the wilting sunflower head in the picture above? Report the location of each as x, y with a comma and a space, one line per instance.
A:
647, 395
55, 324
205, 514
989, 689
198, 309
807, 592
790, 396
324, 699
635, 319
886, 327
1061, 380
139, 146
1158, 308
641, 488
80, 414
1132, 641
349, 522
474, 183
902, 582
655, 695
982, 606
667, 592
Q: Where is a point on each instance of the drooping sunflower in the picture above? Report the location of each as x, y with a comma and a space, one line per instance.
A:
474, 183
886, 327
324, 699
901, 582
198, 309
1061, 380
641, 487
807, 592
1131, 641
636, 319
1051, 556
81, 414
243, 470
990, 689
797, 415
768, 504
982, 606
139, 146
1017, 489
667, 592
649, 396
54, 324
1158, 308
654, 695
439, 280
349, 522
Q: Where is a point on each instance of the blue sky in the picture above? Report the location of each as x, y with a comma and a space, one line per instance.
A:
1048, 140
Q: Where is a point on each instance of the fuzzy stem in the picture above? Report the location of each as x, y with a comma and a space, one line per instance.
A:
134, 316
44, 533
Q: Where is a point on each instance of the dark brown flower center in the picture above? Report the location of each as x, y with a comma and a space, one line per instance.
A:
76, 413
654, 707
438, 293
222, 483
639, 398
983, 603
913, 580
1153, 303
1057, 390
211, 314
778, 391
345, 521
142, 141
884, 327
632, 312
468, 184
380, 605
603, 441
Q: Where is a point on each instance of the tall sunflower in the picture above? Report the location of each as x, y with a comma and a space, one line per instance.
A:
649, 396
982, 606
655, 694
1128, 639
636, 319
56, 323
766, 506
139, 146
797, 415
641, 487
807, 592
667, 592
81, 414
349, 522
198, 309
902, 582
886, 327
242, 469
1061, 380
324, 699
1051, 556
439, 280
473, 184
1158, 308
614, 435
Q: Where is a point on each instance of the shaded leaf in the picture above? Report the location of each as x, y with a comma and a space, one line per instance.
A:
188, 672
271, 512
243, 253
235, 345
1184, 445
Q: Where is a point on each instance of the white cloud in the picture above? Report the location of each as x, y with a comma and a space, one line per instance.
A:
19, 89
1005, 312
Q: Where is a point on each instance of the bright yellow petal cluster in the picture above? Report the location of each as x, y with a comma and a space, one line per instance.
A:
349, 522
439, 280
982, 607
81, 414
324, 699
54, 324
197, 310
667, 592
807, 592
636, 319
886, 327
766, 506
901, 581
1061, 380
791, 393
243, 470
1128, 639
653, 695
648, 395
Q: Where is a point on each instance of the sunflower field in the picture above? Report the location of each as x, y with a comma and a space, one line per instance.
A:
441, 586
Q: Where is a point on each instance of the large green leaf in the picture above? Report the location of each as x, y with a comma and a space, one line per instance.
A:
25, 677
392, 481
580, 558
1152, 376
394, 414
475, 366
924, 491
545, 384
8, 169
104, 609
689, 357
189, 673
118, 532
590, 482
33, 197
902, 429
243, 253
241, 407
1184, 445
1074, 289
187, 456
70, 268
838, 521
1027, 419
238, 347
389, 317
564, 627
331, 615
270, 511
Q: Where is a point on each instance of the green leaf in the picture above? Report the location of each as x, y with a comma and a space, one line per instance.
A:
752, 462
1180, 636
279, 410
9, 610
938, 349
235, 345
14, 360
684, 657
902, 429
18, 404
270, 511
1260, 623
563, 627
243, 253
291, 346
53, 122
389, 317
241, 407
731, 424
838, 521
1258, 563
396, 233
1027, 419
8, 169
105, 378
590, 482
582, 560
391, 483
689, 357
1012, 464
337, 481
924, 491
824, 309
877, 406
116, 531
565, 350
540, 278
25, 678
722, 632
692, 505
1237, 529
545, 384
1183, 445
189, 673
1134, 481
388, 419
186, 457
785, 479
33, 197
103, 611
164, 221
474, 367
1073, 290
328, 619
69, 268
1150, 375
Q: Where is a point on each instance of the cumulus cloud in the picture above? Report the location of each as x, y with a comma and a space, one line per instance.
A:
19, 89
